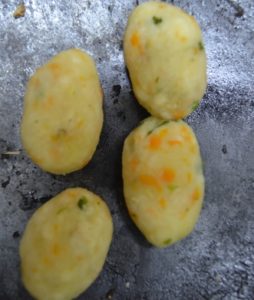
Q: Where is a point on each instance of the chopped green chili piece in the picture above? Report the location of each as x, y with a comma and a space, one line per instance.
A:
40, 95
134, 215
61, 210
201, 46
159, 125
82, 202
157, 20
167, 242
195, 105
61, 132
172, 187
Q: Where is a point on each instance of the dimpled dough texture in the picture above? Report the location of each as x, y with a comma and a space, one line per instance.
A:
165, 56
65, 244
63, 113
163, 180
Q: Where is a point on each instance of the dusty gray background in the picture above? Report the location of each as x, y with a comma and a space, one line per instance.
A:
217, 260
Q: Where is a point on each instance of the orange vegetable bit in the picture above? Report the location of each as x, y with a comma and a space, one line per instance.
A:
163, 203
48, 103
149, 181
55, 69
56, 249
178, 115
196, 195
134, 163
154, 142
55, 152
168, 175
163, 132
180, 36
186, 134
135, 40
174, 143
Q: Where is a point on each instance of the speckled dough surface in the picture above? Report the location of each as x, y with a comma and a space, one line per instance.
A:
62, 118
217, 260
165, 56
163, 180
65, 244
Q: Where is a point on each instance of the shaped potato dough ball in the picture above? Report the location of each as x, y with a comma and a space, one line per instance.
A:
65, 245
63, 113
163, 180
165, 56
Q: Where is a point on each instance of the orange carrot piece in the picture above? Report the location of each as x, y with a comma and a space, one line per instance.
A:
168, 175
149, 180
186, 134
135, 40
174, 142
196, 195
55, 69
134, 163
56, 249
154, 142
163, 203
179, 115
163, 132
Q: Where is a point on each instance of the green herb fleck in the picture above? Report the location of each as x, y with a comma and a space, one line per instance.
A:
167, 242
141, 122
201, 46
40, 95
134, 216
61, 210
82, 202
161, 124
195, 105
172, 187
157, 79
157, 20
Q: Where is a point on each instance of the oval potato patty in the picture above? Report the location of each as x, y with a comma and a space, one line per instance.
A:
164, 53
163, 180
65, 245
63, 113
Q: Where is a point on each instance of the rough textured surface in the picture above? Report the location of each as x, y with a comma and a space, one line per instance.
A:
217, 260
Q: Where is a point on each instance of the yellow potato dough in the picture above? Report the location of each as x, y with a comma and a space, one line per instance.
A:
165, 55
63, 113
163, 180
65, 245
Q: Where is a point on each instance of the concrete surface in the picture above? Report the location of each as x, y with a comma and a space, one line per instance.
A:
217, 260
